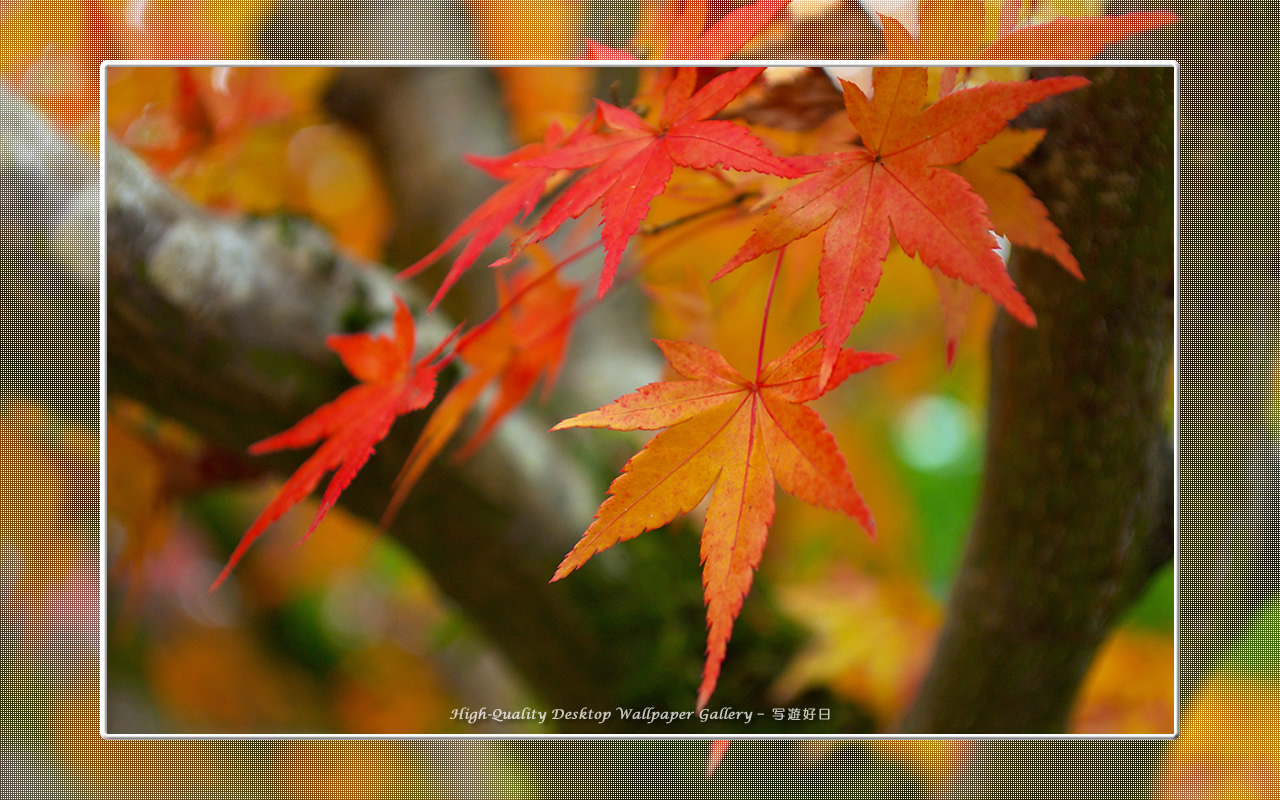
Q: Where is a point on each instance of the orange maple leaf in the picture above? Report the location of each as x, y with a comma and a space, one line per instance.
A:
1072, 39
737, 435
896, 176
1015, 211
352, 424
953, 29
1016, 214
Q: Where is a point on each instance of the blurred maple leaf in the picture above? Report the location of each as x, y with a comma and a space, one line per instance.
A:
1245, 763
203, 106
1129, 688
252, 140
53, 52
688, 33
716, 754
873, 637
952, 30
523, 341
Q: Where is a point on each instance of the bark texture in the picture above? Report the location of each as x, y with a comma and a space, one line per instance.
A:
1076, 509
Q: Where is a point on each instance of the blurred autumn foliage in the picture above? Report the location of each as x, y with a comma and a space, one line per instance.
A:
252, 141
348, 634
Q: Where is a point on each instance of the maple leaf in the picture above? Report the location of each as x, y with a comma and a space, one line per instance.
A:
1015, 211
353, 423
633, 163
524, 187
946, 27
895, 176
956, 300
210, 106
524, 341
61, 76
740, 436
683, 23
953, 29
1016, 214
1072, 39
715, 754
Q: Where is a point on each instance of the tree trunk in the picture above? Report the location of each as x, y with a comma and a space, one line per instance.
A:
1077, 503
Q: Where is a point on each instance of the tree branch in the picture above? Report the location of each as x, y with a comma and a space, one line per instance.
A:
49, 274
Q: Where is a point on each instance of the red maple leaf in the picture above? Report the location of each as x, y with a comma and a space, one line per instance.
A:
896, 176
524, 341
524, 187
683, 26
715, 754
632, 163
353, 423
737, 435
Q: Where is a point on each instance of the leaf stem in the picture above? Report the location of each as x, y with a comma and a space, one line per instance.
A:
515, 297
768, 302
650, 230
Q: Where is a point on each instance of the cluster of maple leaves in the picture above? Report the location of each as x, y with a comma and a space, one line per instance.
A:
934, 174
